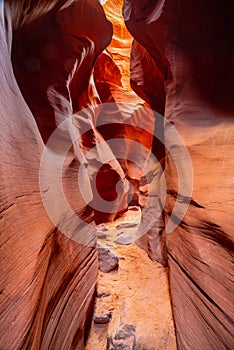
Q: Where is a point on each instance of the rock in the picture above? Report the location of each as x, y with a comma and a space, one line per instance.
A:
102, 294
127, 225
102, 230
102, 319
123, 339
102, 227
125, 332
133, 208
108, 260
101, 235
124, 239
129, 328
122, 335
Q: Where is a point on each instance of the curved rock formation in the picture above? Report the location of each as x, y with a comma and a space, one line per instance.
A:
124, 118
53, 57
182, 65
120, 45
191, 44
47, 279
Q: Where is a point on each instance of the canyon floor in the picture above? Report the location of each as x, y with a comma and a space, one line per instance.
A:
135, 297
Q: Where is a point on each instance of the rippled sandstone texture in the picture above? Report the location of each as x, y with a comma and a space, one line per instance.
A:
120, 45
47, 279
189, 47
53, 55
183, 55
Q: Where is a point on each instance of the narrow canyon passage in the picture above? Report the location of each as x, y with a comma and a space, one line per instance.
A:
133, 303
116, 175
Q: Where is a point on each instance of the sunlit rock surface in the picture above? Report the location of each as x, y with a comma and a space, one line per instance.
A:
191, 44
125, 119
120, 45
141, 159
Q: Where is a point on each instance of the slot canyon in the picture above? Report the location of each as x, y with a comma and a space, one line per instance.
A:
117, 175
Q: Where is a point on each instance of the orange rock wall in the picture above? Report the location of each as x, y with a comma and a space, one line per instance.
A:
120, 45
47, 278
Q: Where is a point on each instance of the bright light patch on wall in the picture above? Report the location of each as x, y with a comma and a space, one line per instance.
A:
103, 1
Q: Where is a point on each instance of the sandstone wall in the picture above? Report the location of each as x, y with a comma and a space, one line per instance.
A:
48, 264
192, 45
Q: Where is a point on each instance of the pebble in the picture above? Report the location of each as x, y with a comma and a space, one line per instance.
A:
108, 260
124, 239
102, 294
124, 338
122, 335
101, 235
102, 227
102, 319
127, 225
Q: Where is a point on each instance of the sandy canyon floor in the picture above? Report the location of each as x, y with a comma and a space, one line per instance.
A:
133, 309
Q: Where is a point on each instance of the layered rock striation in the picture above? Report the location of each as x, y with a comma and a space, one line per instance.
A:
48, 259
62, 97
189, 49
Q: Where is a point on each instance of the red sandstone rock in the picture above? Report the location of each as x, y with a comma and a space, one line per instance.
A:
53, 57
183, 52
47, 280
147, 79
192, 43
120, 45
125, 119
